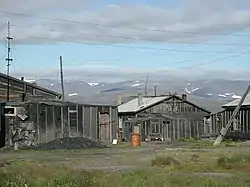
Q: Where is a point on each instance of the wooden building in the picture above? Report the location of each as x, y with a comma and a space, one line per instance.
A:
167, 117
43, 121
19, 90
241, 122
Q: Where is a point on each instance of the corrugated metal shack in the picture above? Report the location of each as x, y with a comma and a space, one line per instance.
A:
43, 121
167, 117
241, 122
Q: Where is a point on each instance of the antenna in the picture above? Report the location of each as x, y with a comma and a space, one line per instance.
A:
8, 60
146, 87
61, 73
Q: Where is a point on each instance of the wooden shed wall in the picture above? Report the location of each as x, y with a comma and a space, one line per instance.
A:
2, 126
220, 120
182, 128
174, 106
56, 121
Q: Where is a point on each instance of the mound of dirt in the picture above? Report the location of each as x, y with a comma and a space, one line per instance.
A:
70, 144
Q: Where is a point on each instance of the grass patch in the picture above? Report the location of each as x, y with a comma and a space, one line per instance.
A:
235, 162
34, 175
161, 161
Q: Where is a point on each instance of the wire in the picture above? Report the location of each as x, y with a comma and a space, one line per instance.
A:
217, 60
203, 57
141, 39
115, 26
134, 47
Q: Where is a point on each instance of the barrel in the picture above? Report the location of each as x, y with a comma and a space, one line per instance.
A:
135, 139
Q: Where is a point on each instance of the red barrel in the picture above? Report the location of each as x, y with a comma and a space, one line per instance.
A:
135, 139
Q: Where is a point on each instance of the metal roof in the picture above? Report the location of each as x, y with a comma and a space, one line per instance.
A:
132, 106
235, 102
209, 105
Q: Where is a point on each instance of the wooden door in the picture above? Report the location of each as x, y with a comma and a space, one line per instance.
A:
104, 124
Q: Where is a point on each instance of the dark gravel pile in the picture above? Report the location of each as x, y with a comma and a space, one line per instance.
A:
69, 144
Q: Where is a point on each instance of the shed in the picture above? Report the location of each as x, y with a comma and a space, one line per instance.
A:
172, 116
44, 121
241, 122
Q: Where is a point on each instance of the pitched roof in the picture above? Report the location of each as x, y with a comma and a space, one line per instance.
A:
132, 106
209, 105
3, 76
235, 102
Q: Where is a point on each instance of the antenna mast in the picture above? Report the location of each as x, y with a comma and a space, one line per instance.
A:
8, 60
61, 73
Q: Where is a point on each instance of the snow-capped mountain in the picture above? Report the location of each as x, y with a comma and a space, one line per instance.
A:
104, 92
218, 89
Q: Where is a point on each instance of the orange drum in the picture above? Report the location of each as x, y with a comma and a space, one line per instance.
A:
135, 139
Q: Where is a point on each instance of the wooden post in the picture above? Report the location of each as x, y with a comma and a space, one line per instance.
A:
90, 122
110, 124
38, 122
62, 121
224, 130
83, 122
77, 117
46, 124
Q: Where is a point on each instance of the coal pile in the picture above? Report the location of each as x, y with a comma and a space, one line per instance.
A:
69, 144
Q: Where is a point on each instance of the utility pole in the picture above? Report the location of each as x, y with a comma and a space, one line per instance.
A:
146, 87
155, 89
236, 110
8, 60
61, 73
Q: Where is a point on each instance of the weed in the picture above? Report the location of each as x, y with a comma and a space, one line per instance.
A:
162, 161
237, 161
63, 177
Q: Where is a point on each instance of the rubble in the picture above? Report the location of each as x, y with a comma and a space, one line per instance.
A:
69, 144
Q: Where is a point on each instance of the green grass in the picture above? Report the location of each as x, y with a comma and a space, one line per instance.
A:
163, 171
32, 175
235, 162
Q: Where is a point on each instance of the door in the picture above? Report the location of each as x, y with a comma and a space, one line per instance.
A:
2, 126
104, 124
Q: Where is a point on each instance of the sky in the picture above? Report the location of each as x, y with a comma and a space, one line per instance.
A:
127, 38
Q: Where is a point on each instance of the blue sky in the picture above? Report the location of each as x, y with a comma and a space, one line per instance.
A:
31, 52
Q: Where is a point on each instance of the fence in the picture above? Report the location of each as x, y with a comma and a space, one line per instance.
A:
41, 122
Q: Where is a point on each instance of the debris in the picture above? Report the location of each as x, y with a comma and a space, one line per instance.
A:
69, 144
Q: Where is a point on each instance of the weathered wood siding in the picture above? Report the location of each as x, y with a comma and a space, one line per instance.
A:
2, 126
174, 106
220, 120
69, 120
185, 120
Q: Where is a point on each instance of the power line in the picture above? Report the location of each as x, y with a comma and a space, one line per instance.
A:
141, 39
8, 59
115, 26
203, 57
134, 47
217, 60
